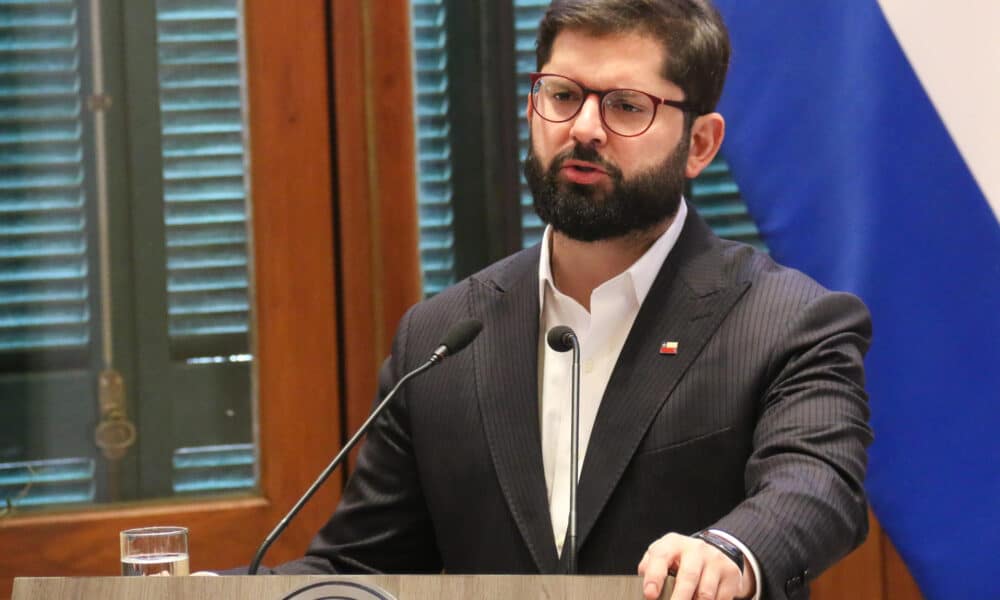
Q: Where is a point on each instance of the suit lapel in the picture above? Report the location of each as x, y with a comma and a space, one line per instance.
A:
506, 365
686, 304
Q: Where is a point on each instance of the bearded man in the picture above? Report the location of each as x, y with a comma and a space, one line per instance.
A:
723, 421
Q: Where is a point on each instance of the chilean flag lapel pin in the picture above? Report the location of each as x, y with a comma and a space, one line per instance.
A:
668, 348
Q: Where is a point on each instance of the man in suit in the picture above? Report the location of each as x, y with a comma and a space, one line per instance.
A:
722, 394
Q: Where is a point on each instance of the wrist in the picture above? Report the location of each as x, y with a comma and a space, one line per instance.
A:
724, 546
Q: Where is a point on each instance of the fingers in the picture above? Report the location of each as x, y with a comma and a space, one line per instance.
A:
660, 558
708, 586
702, 571
729, 587
689, 576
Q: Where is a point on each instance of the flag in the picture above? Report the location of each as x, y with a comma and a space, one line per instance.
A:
865, 139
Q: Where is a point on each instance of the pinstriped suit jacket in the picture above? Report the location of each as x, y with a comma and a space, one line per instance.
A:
757, 426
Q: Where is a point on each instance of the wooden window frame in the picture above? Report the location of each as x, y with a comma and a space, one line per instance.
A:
296, 369
377, 179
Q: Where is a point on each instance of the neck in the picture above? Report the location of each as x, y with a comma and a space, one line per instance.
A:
578, 268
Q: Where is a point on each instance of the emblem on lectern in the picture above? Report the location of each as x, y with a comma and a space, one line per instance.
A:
340, 590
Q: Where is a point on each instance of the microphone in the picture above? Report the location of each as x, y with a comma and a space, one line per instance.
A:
561, 338
456, 339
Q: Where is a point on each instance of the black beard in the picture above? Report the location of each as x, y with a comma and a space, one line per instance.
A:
587, 213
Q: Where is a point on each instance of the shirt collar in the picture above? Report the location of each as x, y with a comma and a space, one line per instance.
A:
642, 273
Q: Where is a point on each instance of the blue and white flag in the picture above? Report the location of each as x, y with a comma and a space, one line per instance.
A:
865, 138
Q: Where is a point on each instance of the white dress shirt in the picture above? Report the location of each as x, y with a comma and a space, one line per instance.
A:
601, 333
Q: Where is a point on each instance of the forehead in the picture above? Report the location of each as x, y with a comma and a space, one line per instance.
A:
632, 60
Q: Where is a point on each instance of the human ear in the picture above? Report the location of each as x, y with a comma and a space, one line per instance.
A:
707, 132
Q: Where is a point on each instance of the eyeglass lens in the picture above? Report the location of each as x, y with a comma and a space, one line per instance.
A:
626, 112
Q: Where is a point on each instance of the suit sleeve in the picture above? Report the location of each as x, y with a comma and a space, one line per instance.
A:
805, 505
381, 524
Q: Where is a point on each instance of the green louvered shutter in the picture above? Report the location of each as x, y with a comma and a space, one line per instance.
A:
434, 167
527, 14
717, 197
204, 176
44, 293
213, 469
46, 482
204, 166
43, 243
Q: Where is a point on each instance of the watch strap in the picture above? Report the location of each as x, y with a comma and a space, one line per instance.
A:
722, 545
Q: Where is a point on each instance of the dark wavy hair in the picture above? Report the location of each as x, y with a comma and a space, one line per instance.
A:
692, 32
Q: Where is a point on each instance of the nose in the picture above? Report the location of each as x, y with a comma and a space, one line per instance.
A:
588, 128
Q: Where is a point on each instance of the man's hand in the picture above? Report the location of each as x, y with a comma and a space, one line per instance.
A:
702, 571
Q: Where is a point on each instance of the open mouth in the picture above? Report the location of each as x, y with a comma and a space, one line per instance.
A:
582, 167
582, 173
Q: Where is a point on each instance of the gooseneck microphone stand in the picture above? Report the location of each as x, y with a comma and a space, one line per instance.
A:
561, 339
457, 338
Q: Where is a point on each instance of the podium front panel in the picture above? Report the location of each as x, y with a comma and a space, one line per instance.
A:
286, 587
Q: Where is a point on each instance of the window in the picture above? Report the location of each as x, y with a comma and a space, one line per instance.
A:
124, 278
294, 326
475, 206
434, 194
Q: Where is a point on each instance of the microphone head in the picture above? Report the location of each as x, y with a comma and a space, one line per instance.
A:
461, 335
560, 338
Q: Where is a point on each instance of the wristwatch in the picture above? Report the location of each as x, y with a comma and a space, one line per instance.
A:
722, 545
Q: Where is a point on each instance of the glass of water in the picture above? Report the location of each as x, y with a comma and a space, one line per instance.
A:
155, 551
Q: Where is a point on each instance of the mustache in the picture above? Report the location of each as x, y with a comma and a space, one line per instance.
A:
587, 154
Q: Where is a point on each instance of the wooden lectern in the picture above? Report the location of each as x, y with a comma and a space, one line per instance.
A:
348, 587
